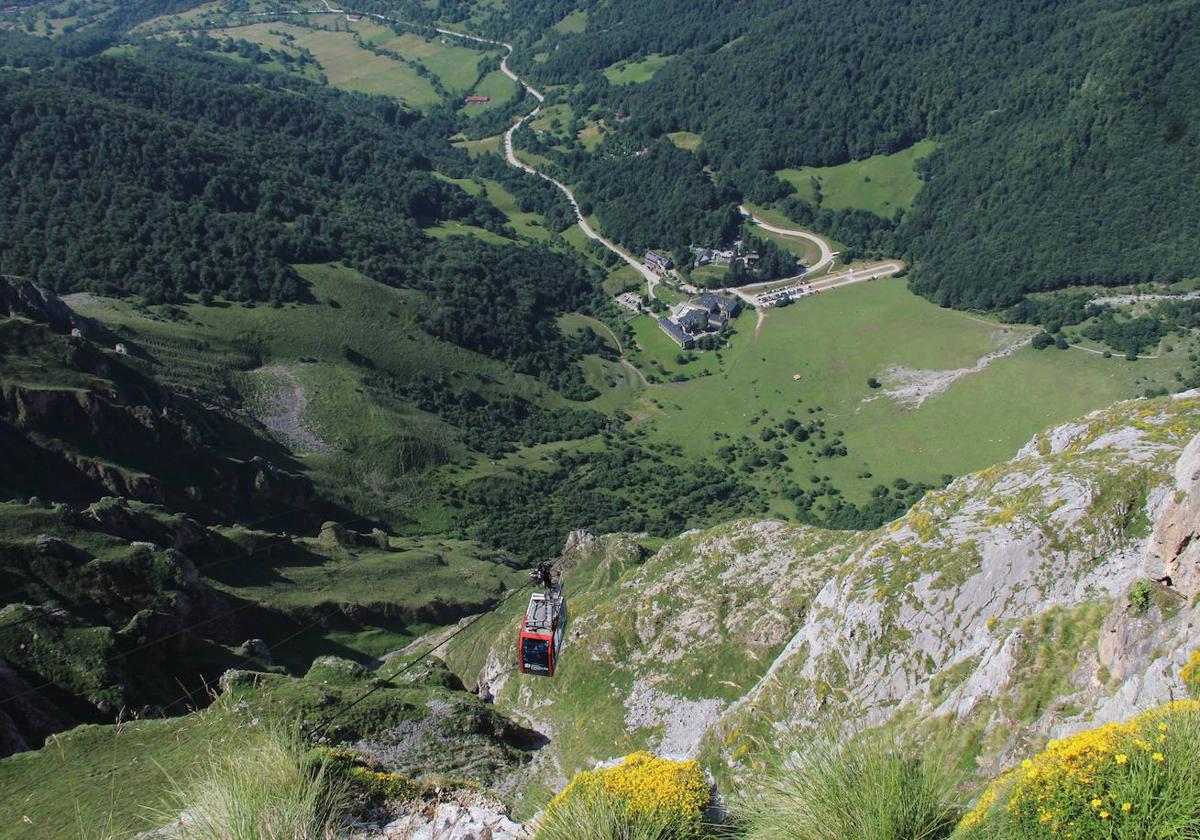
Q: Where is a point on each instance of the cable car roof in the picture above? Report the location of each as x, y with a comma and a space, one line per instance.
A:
539, 615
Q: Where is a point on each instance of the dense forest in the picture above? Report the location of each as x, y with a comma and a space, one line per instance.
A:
1068, 130
179, 173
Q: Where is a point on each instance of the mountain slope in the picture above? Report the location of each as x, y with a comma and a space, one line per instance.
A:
1067, 131
985, 605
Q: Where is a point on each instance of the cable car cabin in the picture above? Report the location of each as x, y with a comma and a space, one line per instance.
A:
540, 632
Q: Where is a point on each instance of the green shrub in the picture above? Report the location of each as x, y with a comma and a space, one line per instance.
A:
873, 787
1138, 779
1139, 595
262, 789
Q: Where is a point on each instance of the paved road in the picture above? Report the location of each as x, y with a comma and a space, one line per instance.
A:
823, 246
511, 156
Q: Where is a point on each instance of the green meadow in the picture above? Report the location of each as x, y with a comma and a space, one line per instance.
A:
455, 65
487, 145
305, 346
106, 781
499, 87
346, 65
636, 72
835, 342
687, 140
573, 23
881, 184
349, 66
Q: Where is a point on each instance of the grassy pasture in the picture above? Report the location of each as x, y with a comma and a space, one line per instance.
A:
345, 64
575, 236
573, 23
189, 17
455, 65
496, 85
688, 140
309, 341
526, 224
106, 781
402, 580
447, 229
636, 72
617, 384
622, 276
839, 339
591, 134
486, 145
552, 124
881, 184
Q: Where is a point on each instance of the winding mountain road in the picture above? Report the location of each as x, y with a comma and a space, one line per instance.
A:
511, 156
827, 253
509, 153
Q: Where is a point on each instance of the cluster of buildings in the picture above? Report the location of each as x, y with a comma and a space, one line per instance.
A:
712, 256
707, 314
659, 263
726, 254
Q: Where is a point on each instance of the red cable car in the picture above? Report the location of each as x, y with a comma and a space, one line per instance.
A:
540, 630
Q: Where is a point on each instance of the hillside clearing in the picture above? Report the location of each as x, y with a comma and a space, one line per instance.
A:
636, 72
881, 184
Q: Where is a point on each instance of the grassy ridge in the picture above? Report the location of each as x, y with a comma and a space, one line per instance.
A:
106, 781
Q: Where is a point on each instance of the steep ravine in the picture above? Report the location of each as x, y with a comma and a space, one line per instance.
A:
1000, 605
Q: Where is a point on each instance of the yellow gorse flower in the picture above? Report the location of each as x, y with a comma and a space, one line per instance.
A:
646, 783
1073, 778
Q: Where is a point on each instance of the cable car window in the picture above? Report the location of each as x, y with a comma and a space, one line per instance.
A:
536, 654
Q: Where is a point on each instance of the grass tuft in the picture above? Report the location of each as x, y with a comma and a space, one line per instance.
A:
873, 787
263, 790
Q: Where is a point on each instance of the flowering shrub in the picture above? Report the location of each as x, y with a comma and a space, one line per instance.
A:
1191, 673
1140, 778
643, 796
365, 780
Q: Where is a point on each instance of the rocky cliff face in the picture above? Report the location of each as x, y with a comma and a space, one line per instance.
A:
89, 589
1017, 603
20, 298
78, 422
